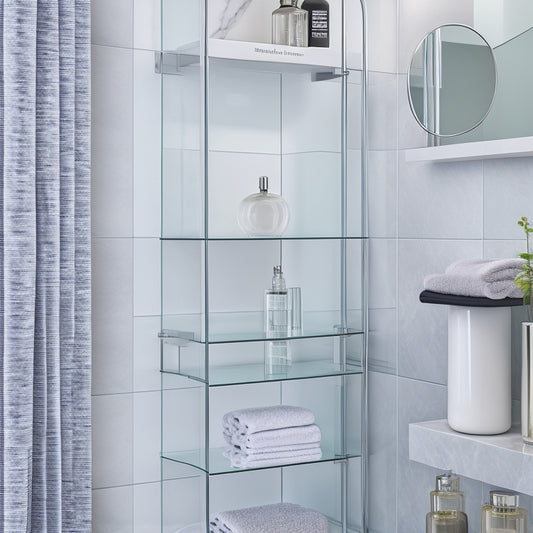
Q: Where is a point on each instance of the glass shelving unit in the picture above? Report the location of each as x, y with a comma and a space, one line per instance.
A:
235, 107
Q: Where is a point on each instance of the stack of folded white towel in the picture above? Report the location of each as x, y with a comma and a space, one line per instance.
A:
489, 278
269, 436
277, 518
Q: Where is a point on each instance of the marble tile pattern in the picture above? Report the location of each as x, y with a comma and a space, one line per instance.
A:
502, 460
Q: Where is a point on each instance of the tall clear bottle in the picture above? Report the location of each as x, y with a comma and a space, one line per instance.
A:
289, 24
447, 507
277, 306
276, 311
502, 514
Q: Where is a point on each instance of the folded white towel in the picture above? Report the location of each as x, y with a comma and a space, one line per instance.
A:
275, 437
276, 449
277, 518
488, 270
240, 459
465, 285
243, 422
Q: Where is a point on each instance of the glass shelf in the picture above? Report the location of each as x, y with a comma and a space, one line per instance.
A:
288, 238
224, 328
255, 373
221, 465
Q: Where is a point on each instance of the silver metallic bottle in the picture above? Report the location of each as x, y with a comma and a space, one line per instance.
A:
289, 24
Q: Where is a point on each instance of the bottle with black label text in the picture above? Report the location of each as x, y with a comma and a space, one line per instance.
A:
318, 22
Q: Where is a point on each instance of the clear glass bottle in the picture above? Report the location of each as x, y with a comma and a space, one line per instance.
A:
289, 24
447, 507
277, 353
503, 515
263, 214
317, 22
277, 306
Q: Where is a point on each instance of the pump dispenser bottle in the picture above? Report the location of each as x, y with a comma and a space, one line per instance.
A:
447, 507
503, 515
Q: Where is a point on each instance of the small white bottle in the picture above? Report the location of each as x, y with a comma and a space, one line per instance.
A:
263, 214
277, 306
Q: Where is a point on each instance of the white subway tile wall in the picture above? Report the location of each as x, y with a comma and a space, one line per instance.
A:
422, 217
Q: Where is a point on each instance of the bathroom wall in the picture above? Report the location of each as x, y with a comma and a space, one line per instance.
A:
423, 216
125, 228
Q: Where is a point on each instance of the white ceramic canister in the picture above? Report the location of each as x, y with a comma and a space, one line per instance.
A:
479, 369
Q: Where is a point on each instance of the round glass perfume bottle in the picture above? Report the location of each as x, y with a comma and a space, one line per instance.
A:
263, 214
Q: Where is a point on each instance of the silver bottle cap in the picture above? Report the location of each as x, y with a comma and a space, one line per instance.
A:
502, 498
447, 482
263, 183
284, 3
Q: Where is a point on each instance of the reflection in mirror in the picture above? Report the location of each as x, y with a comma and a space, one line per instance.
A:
451, 80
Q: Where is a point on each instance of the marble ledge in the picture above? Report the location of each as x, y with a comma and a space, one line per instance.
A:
501, 460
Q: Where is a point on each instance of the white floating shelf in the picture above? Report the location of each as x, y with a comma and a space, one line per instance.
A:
499, 148
501, 460
269, 56
273, 53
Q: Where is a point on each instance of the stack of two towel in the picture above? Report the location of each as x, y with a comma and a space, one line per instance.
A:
489, 278
269, 436
278, 518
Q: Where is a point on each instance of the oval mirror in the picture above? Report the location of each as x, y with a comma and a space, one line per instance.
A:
451, 80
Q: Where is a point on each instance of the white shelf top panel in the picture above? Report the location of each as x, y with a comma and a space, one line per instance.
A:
501, 460
273, 53
499, 148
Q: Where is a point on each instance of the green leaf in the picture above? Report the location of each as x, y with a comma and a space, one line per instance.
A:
525, 255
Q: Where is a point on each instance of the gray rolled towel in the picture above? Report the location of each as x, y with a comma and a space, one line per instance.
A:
489, 278
488, 270
277, 518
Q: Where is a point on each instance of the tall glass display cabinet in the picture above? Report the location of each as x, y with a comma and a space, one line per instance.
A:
236, 108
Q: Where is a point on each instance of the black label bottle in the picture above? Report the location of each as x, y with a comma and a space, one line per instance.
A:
318, 21
447, 507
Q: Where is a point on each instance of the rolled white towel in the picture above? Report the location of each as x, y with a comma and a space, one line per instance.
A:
488, 270
240, 459
243, 422
466, 285
277, 518
275, 437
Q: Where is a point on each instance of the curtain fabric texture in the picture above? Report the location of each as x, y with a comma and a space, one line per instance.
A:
45, 454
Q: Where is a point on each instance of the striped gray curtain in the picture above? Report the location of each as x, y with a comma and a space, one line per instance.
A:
45, 462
